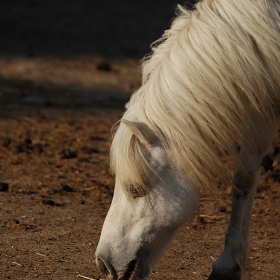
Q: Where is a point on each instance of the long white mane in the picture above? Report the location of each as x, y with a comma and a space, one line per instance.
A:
210, 77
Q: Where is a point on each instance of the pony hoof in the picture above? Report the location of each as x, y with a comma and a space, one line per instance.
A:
218, 276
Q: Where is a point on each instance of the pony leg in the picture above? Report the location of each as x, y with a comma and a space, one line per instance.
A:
230, 264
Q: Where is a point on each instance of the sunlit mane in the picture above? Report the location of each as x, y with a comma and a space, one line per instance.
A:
209, 77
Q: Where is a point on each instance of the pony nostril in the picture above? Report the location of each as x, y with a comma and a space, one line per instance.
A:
101, 266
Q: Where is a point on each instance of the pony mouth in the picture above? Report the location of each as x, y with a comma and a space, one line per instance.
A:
131, 272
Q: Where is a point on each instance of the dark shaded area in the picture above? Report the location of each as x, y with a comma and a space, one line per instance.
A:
26, 94
75, 27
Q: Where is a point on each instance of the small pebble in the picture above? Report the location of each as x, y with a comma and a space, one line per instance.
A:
4, 187
48, 202
223, 209
66, 188
5, 142
104, 66
67, 154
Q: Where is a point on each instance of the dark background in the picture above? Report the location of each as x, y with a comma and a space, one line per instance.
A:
78, 27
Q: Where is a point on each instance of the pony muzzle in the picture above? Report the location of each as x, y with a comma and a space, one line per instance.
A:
106, 268
131, 272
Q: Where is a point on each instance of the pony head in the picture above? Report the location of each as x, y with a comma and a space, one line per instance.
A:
144, 214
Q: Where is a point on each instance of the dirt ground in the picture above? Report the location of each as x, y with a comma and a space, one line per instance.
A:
66, 70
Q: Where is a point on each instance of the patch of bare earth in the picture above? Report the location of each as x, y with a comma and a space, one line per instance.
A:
54, 146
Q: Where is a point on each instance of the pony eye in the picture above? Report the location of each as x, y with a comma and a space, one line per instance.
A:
136, 192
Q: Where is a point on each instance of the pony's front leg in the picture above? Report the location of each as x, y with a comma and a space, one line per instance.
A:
231, 263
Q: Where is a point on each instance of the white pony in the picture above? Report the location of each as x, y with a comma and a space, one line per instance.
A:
210, 91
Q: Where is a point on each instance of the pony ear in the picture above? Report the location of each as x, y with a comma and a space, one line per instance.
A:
144, 134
